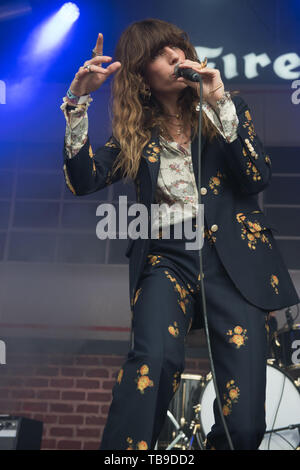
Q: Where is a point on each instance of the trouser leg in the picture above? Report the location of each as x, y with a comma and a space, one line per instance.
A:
162, 313
239, 343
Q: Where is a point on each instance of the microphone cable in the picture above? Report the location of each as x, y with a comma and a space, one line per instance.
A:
207, 334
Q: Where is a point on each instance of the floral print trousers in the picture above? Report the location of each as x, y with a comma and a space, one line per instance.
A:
167, 301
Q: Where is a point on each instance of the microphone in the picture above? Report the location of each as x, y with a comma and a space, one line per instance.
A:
187, 73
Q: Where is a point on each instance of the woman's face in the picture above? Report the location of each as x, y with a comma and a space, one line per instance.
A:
160, 71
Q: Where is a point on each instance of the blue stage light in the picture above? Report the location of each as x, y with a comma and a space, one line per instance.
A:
52, 32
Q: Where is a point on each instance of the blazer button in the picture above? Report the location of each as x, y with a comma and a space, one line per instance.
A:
214, 228
203, 191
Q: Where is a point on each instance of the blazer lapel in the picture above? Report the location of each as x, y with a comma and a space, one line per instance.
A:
151, 153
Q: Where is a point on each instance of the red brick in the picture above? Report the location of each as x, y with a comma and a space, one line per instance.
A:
61, 383
61, 408
26, 415
95, 420
72, 372
25, 393
87, 360
85, 383
88, 432
9, 407
108, 384
105, 409
47, 419
69, 445
48, 371
59, 431
73, 396
34, 406
113, 361
99, 397
48, 394
61, 360
91, 445
48, 444
36, 382
71, 419
97, 373
94, 409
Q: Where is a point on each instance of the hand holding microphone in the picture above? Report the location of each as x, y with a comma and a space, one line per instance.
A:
193, 72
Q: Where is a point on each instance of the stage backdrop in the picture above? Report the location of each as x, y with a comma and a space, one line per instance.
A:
57, 279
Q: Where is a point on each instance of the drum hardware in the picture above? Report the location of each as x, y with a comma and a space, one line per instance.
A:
196, 427
285, 428
181, 429
282, 410
180, 436
290, 426
276, 339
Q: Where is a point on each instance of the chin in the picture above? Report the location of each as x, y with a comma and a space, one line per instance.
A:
180, 85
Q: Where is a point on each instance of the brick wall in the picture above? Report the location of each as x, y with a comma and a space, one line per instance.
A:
69, 393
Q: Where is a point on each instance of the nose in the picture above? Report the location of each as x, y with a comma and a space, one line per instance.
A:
173, 55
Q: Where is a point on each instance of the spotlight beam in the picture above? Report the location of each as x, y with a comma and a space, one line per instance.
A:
53, 31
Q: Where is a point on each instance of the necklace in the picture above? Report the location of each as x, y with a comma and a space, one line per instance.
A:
180, 138
171, 129
177, 116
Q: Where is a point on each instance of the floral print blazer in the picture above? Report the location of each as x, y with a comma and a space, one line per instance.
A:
233, 173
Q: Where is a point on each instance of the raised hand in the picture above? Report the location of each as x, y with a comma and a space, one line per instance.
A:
91, 75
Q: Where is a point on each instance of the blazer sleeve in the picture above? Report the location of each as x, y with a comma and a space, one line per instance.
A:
246, 156
86, 172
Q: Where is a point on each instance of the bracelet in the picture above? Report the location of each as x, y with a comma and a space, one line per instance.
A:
72, 97
216, 89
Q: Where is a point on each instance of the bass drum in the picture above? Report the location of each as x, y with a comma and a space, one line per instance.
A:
282, 409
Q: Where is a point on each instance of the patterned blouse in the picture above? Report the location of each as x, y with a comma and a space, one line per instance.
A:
176, 180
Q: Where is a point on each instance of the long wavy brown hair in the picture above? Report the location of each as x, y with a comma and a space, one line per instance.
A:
134, 110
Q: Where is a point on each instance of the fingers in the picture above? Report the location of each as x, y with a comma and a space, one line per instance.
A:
97, 60
196, 66
81, 72
113, 67
99, 44
97, 69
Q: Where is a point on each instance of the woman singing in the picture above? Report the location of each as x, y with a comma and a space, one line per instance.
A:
154, 143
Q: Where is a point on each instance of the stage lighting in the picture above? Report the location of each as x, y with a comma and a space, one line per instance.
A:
12, 10
52, 32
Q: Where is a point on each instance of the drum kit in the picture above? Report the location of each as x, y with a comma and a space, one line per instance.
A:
190, 414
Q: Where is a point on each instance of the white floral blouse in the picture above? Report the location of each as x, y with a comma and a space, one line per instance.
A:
176, 180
